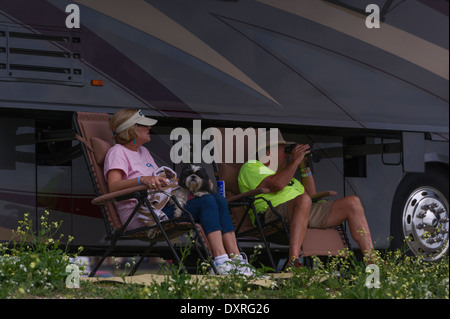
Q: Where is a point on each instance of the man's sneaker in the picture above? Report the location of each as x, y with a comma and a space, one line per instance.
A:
296, 263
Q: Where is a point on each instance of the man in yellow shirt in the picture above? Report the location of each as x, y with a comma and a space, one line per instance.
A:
291, 198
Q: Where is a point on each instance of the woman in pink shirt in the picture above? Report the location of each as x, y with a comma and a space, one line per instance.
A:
128, 163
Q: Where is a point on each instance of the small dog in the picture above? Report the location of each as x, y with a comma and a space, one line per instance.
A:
193, 181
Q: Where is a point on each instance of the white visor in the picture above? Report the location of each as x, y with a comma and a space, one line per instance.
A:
137, 118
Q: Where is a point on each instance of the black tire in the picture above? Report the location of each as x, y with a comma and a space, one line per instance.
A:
420, 214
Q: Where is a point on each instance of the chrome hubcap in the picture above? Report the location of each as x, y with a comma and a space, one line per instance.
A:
425, 223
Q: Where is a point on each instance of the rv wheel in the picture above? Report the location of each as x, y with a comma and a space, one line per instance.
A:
420, 214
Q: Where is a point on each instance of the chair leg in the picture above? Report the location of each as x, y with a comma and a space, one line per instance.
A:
308, 262
199, 242
100, 262
144, 254
238, 228
163, 232
102, 259
342, 228
203, 245
266, 244
260, 226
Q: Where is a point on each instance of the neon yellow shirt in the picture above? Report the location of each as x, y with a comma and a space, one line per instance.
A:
252, 174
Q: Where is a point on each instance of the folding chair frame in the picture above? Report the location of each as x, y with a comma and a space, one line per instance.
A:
248, 201
140, 193
262, 230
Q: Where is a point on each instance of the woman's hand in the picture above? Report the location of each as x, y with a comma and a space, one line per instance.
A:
116, 183
154, 182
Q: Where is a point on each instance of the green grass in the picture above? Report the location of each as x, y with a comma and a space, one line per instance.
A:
37, 269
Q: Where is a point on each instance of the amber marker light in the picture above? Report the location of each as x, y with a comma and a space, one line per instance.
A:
97, 82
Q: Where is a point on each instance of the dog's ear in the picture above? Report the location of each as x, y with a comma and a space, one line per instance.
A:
186, 166
183, 169
180, 175
207, 185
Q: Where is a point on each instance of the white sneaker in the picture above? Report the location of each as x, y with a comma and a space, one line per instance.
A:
242, 266
227, 268
237, 266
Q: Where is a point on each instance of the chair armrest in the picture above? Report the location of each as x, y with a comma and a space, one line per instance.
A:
251, 193
321, 195
262, 190
119, 195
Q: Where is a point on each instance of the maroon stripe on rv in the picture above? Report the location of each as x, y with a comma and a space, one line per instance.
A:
106, 58
53, 202
68, 204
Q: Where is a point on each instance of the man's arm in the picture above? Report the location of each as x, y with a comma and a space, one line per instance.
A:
307, 179
282, 178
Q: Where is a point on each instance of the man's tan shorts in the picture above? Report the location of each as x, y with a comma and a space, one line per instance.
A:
317, 216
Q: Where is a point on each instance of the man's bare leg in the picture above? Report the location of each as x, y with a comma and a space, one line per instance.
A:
298, 209
350, 209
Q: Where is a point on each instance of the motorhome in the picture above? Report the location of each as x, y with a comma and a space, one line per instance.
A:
364, 82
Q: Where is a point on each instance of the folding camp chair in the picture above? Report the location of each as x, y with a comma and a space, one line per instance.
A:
317, 242
92, 129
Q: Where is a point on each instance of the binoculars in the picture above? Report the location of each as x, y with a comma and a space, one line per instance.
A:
313, 156
288, 149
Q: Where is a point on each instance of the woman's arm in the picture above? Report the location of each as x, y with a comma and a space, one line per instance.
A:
116, 183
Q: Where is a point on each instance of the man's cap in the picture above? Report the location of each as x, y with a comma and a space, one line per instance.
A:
279, 140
